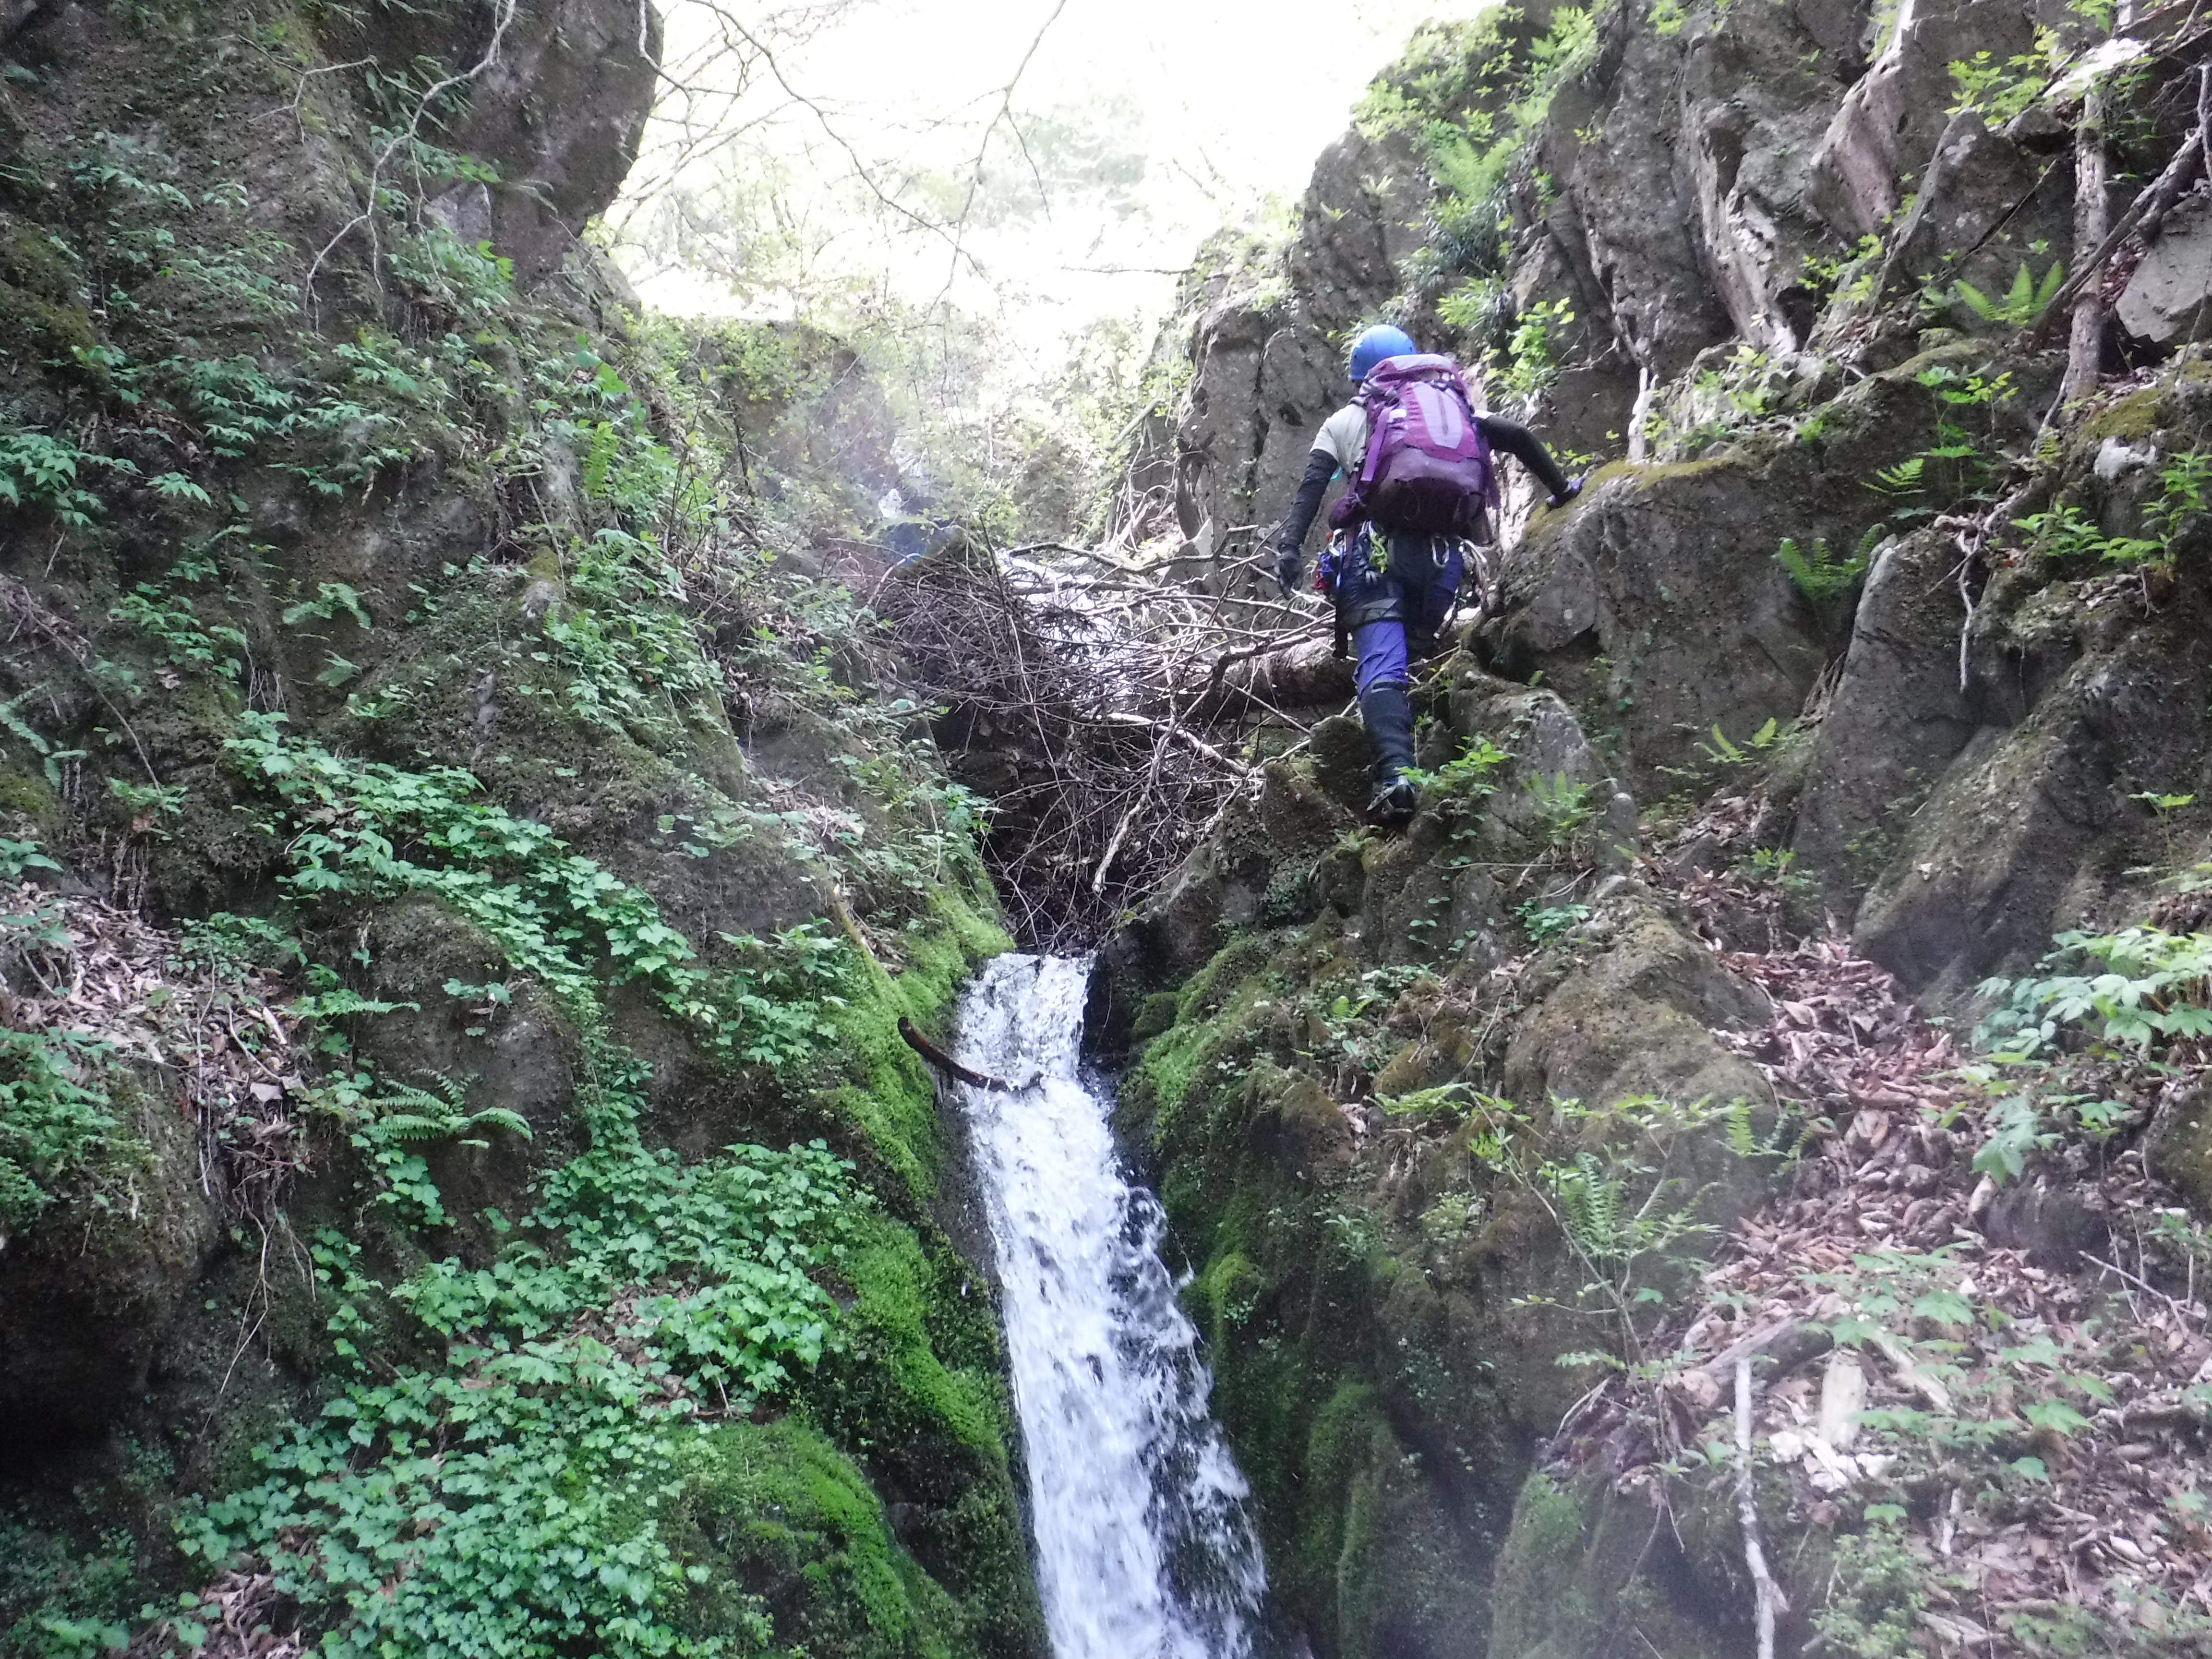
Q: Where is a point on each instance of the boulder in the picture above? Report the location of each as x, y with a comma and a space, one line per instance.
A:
1637, 1017
1887, 126
2169, 298
559, 110
89, 1293
1754, 104
1986, 206
2032, 829
1267, 378
1898, 717
1655, 605
1362, 214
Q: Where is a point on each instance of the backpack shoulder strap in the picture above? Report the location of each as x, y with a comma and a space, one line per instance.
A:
1374, 458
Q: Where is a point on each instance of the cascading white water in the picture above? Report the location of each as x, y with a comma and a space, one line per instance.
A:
1145, 1548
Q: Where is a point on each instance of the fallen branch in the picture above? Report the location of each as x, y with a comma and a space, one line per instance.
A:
1768, 1599
1788, 1343
2159, 194
944, 1062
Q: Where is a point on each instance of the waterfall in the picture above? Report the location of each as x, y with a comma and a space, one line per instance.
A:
1145, 1548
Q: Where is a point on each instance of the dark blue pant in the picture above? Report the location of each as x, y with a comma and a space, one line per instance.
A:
1396, 613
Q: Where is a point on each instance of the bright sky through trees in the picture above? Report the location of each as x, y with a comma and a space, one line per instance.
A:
832, 154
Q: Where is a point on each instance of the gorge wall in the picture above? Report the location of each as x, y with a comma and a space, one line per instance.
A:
1495, 1145
461, 1187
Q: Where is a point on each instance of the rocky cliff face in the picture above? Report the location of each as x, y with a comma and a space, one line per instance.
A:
461, 1189
1876, 670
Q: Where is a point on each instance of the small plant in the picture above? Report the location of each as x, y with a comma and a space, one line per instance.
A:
1564, 807
1529, 364
1820, 574
1545, 922
1470, 775
1625, 1215
2152, 988
2027, 300
1905, 478
1724, 751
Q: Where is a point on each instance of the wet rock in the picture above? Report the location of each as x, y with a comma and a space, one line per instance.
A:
1264, 866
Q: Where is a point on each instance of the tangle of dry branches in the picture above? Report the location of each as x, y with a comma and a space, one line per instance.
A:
1101, 708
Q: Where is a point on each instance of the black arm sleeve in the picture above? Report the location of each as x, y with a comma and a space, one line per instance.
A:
1320, 467
1524, 446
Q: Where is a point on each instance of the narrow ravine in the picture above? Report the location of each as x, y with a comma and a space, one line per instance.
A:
1144, 1544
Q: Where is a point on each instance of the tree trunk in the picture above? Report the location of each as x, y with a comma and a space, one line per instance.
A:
2085, 342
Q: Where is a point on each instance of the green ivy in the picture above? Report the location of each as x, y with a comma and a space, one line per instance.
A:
505, 1501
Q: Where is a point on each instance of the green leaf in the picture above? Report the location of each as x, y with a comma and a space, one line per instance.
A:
2056, 1416
1945, 1308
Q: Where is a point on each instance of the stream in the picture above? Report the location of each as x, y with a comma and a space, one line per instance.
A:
1144, 1546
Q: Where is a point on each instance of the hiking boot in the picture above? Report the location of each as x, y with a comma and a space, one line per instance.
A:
1388, 714
1394, 804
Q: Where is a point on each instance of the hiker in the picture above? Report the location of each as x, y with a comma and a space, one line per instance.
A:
1425, 485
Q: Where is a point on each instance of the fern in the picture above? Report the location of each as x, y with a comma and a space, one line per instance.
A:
1742, 1139
2025, 301
1820, 577
1903, 479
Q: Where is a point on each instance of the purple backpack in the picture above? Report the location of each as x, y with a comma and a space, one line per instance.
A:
1428, 467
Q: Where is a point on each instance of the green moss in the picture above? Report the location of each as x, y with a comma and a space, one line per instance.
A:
789, 1545
1213, 1012
1543, 1607
1395, 1562
1225, 1296
889, 1092
898, 1300
1155, 1015
32, 800
914, 1392
2136, 415
40, 315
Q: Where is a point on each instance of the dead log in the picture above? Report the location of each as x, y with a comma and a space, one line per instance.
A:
2093, 222
944, 1062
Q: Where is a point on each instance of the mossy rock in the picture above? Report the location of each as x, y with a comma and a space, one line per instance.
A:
1343, 761
41, 316
1586, 1573
1380, 1565
86, 1292
2179, 1149
791, 1546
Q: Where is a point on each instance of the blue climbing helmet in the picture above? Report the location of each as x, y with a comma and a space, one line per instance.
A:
1377, 342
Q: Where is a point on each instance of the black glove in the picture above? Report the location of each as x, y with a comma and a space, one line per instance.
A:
1290, 565
1574, 489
